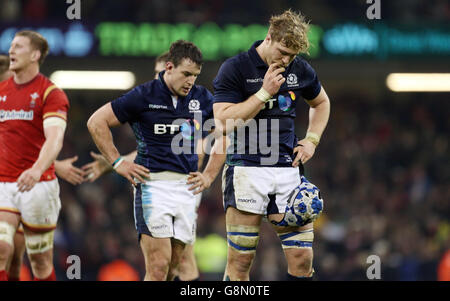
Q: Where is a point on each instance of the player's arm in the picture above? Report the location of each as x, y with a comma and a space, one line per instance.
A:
319, 113
54, 128
248, 109
203, 180
100, 166
66, 170
99, 125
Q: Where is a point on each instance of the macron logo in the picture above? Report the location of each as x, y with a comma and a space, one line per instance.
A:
3, 98
254, 80
157, 107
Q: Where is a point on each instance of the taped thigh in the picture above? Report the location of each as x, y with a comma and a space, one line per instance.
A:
39, 242
7, 232
243, 239
297, 239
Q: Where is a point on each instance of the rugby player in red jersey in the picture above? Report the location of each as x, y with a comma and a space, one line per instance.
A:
33, 114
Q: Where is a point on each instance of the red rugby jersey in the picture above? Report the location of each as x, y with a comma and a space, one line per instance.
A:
23, 109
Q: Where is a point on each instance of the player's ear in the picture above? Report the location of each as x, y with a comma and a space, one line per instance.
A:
169, 66
35, 55
268, 38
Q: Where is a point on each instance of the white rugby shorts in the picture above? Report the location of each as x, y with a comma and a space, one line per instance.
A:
38, 208
165, 208
258, 190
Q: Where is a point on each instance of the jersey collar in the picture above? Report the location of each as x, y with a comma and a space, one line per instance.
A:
254, 56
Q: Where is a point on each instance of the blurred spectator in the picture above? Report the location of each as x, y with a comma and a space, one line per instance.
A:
118, 270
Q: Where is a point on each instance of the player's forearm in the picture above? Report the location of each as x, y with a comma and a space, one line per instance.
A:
102, 136
241, 111
201, 158
49, 152
216, 158
318, 117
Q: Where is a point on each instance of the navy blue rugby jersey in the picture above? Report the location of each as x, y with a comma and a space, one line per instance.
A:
166, 135
240, 77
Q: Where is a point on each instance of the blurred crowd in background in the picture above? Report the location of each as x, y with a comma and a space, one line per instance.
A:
382, 165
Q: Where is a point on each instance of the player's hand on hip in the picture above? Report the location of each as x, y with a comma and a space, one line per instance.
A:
96, 168
132, 171
67, 171
273, 78
305, 150
199, 182
28, 179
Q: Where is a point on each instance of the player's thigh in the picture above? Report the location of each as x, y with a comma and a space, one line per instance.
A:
234, 216
178, 248
157, 251
19, 242
11, 218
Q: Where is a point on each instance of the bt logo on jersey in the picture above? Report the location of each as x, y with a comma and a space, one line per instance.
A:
161, 129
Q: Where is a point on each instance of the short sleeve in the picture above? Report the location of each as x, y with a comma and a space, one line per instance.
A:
128, 106
56, 104
311, 87
228, 84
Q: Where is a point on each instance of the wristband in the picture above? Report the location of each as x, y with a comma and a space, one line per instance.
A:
117, 162
313, 137
263, 95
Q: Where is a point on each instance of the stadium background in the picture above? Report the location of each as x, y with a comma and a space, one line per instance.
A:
382, 165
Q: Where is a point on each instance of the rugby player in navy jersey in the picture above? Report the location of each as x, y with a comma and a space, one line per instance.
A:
264, 84
165, 180
188, 270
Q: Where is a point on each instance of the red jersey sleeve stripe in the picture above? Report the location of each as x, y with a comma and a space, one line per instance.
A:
55, 114
48, 90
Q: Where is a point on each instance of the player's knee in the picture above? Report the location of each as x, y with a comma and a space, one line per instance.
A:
158, 271
302, 259
241, 262
6, 251
41, 264
158, 266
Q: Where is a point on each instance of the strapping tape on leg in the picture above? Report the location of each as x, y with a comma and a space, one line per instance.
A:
39, 243
7, 232
244, 239
297, 239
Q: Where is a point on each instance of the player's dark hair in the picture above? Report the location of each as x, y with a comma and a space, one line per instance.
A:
37, 42
182, 49
4, 64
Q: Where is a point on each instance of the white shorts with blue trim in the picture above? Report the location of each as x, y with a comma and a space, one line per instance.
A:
165, 208
258, 190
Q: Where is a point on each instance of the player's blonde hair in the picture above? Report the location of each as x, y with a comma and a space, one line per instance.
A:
291, 30
37, 41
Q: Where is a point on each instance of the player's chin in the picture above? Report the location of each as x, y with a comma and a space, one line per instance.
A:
183, 92
14, 67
